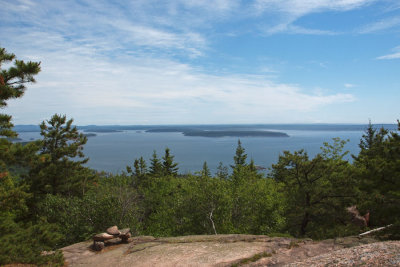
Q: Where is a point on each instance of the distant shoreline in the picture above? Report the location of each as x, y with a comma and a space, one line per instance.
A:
236, 134
222, 130
217, 127
220, 133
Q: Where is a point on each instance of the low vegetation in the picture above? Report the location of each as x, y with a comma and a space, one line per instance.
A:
48, 199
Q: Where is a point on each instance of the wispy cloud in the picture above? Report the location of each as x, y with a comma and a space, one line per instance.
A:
394, 55
122, 27
349, 85
299, 8
147, 36
381, 25
288, 12
288, 28
138, 60
144, 88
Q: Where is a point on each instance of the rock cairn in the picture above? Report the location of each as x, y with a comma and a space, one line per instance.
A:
111, 233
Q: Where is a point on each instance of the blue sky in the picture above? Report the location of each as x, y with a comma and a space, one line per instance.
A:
207, 62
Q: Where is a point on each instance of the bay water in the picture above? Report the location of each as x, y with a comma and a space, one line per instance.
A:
112, 152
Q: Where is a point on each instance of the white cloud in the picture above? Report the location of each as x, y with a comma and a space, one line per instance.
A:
394, 55
140, 35
349, 85
390, 56
120, 26
381, 25
293, 29
299, 8
120, 68
290, 11
132, 89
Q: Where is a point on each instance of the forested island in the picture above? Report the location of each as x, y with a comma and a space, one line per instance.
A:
90, 134
101, 130
235, 134
219, 133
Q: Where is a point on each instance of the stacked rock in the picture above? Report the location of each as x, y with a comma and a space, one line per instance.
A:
125, 234
112, 232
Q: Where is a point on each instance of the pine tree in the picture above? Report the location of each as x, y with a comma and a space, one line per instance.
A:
155, 165
12, 85
13, 195
252, 166
378, 173
137, 168
21, 241
222, 171
317, 189
169, 167
140, 171
240, 157
142, 166
59, 170
205, 172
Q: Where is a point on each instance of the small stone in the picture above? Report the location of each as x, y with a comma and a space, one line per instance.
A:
113, 230
102, 237
125, 231
98, 245
113, 241
125, 237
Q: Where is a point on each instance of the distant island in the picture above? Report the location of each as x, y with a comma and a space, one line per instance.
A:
220, 133
101, 130
235, 134
90, 135
14, 139
216, 127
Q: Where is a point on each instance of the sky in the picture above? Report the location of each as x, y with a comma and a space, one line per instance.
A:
145, 62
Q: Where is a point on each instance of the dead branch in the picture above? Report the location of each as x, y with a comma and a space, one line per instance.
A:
375, 230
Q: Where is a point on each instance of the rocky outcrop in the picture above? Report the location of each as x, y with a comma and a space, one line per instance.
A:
234, 250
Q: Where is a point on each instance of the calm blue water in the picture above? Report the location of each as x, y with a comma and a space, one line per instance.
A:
112, 152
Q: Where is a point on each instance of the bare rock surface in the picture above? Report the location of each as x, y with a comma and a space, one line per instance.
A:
225, 250
376, 254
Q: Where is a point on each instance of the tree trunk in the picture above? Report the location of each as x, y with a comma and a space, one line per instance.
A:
306, 218
304, 223
212, 222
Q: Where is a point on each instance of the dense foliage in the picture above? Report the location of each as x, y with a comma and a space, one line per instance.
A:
49, 199
23, 234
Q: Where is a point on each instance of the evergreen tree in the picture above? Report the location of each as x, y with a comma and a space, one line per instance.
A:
59, 170
13, 196
12, 85
240, 167
378, 173
240, 157
317, 190
252, 166
140, 171
155, 165
169, 167
21, 241
222, 171
205, 172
